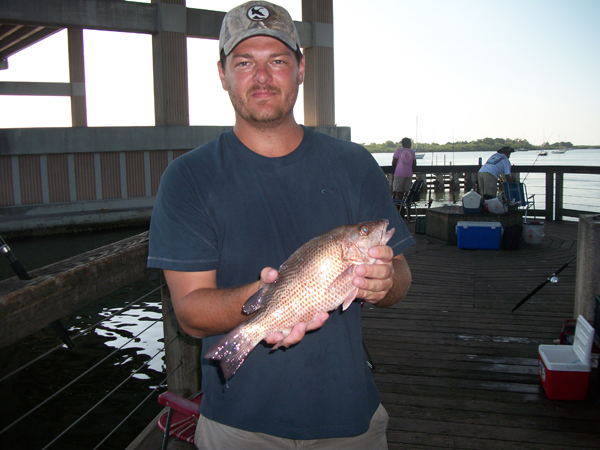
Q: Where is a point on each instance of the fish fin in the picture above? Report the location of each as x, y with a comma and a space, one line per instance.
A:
343, 283
349, 299
255, 302
231, 351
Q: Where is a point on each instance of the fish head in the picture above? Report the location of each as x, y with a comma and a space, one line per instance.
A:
358, 238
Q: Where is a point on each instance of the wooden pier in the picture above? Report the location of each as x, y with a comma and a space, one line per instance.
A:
457, 369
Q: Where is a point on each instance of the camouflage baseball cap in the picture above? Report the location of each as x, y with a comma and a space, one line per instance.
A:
257, 19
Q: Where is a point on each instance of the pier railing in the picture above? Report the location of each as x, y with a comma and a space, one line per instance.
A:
552, 189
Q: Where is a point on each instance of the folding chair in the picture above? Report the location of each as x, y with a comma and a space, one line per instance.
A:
517, 193
181, 418
411, 197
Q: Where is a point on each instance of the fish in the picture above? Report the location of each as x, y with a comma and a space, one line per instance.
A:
317, 277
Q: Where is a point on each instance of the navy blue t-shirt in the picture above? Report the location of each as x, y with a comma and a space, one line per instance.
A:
224, 207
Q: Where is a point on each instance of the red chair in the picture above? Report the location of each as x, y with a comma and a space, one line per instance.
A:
181, 418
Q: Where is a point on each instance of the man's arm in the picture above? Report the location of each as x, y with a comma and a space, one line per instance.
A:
203, 310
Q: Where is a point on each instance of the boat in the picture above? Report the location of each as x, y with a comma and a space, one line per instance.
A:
543, 153
560, 150
419, 155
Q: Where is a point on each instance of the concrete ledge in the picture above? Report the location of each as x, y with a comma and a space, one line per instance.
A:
61, 217
441, 222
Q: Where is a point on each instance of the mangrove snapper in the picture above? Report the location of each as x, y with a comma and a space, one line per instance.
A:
316, 278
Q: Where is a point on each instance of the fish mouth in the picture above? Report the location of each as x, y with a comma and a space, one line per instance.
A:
386, 235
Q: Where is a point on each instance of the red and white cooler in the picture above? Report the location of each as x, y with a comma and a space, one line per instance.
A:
564, 370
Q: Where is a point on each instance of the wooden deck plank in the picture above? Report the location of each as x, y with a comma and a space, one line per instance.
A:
457, 369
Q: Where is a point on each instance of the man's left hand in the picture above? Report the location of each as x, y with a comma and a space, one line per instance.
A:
375, 280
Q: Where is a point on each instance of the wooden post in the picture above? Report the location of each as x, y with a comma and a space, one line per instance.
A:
587, 282
558, 208
549, 195
182, 352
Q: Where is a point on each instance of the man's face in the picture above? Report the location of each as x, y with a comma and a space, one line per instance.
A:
262, 78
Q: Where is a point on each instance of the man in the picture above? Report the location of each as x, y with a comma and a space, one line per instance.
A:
404, 162
487, 177
231, 210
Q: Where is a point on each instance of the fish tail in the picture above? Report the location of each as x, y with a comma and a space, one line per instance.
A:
231, 351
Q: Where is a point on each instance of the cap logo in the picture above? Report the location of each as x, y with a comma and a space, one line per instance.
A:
258, 13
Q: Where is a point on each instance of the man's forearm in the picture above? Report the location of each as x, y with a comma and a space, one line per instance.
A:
208, 311
399, 289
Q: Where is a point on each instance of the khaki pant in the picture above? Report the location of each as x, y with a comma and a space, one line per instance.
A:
212, 435
488, 184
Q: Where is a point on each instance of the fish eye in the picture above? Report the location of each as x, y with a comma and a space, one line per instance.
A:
364, 230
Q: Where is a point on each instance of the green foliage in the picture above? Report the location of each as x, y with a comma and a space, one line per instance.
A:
480, 145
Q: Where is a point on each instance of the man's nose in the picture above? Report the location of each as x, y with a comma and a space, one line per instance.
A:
262, 73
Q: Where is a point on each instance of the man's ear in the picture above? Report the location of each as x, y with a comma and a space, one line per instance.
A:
301, 68
222, 75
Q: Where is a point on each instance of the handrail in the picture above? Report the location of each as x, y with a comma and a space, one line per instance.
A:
553, 184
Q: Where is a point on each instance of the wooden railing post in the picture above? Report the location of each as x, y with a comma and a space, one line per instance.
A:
182, 352
549, 195
558, 208
587, 282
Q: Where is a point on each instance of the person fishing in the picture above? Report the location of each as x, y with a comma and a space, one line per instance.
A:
231, 210
404, 163
487, 177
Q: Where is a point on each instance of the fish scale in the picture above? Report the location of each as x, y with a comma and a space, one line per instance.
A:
315, 278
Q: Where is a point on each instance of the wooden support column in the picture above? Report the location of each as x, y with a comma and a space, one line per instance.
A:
549, 195
558, 208
169, 52
77, 78
319, 96
587, 282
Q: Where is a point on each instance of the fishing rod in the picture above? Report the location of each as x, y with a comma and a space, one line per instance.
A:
18, 268
551, 279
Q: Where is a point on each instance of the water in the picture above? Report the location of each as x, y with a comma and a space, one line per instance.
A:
39, 381
581, 191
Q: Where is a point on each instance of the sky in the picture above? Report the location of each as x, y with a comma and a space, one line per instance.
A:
461, 69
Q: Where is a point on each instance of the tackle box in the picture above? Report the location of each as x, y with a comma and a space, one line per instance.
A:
478, 235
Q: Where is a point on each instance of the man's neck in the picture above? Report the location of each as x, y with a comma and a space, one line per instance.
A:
270, 142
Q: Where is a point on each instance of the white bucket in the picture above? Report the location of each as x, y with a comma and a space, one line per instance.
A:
533, 232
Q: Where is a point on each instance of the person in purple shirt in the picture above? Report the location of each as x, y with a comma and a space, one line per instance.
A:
404, 163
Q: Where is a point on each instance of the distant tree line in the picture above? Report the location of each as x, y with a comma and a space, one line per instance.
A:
480, 145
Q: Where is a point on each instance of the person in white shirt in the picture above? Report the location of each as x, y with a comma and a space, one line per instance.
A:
498, 164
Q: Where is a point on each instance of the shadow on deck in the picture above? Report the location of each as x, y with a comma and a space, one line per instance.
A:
456, 369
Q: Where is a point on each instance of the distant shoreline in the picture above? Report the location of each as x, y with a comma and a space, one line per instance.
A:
466, 150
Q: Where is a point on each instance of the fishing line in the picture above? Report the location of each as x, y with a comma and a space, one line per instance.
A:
538, 155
